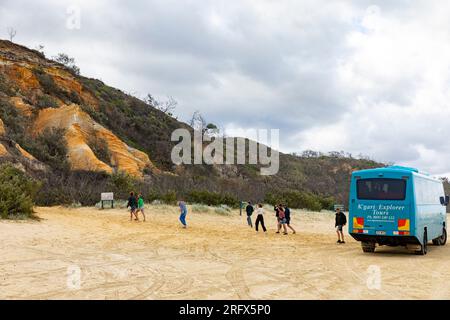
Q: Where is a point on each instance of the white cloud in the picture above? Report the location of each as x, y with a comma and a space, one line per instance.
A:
368, 77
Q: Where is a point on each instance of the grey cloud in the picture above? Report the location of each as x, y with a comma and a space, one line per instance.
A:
270, 69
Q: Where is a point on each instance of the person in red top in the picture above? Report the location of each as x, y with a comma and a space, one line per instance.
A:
282, 220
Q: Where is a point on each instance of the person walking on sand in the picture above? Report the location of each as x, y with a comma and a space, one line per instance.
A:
340, 222
277, 215
183, 213
249, 209
140, 206
282, 220
132, 204
260, 218
287, 213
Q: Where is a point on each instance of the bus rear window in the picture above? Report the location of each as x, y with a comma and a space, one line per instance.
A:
381, 189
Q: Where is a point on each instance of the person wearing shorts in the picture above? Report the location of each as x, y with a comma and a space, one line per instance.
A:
282, 220
340, 222
140, 206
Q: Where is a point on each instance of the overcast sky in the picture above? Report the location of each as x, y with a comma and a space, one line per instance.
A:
369, 77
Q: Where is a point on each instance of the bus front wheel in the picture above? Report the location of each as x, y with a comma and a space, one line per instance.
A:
443, 238
424, 247
368, 246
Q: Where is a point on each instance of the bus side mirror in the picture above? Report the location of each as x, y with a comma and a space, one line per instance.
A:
444, 200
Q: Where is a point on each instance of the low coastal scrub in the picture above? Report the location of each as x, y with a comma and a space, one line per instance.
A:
212, 198
223, 210
301, 200
17, 193
199, 208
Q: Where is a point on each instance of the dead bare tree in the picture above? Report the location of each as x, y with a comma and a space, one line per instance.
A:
198, 122
168, 107
11, 33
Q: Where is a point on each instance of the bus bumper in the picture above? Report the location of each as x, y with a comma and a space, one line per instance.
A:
386, 240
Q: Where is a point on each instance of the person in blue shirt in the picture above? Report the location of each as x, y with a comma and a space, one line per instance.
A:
183, 213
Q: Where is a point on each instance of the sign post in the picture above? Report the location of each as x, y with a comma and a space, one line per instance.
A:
107, 197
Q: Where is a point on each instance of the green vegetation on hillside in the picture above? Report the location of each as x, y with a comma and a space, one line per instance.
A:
308, 180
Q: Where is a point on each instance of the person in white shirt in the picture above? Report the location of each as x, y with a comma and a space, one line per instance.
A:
260, 218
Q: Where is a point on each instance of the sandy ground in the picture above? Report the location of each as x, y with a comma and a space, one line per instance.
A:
91, 254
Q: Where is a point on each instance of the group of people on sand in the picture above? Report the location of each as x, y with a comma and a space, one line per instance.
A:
136, 205
282, 213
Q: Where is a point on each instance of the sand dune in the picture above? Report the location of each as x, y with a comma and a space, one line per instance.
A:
217, 257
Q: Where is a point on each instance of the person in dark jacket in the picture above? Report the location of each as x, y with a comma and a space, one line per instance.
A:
340, 222
287, 213
133, 204
249, 209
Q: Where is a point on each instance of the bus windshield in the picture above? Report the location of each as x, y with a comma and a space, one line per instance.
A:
381, 189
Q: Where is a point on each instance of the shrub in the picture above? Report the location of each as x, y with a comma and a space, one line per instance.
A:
17, 192
153, 196
199, 208
66, 188
50, 88
50, 147
225, 207
221, 211
169, 197
5, 86
211, 198
46, 81
327, 203
122, 183
46, 101
100, 148
300, 200
68, 62
14, 121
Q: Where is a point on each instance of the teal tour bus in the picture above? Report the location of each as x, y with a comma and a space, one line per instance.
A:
397, 206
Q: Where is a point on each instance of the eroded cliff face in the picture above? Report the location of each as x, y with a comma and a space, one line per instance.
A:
79, 128
30, 74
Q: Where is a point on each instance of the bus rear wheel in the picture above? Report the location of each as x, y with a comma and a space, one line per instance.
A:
368, 246
424, 247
